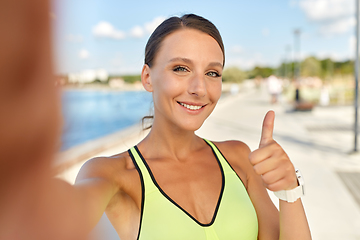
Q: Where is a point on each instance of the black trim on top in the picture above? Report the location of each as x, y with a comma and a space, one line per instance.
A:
229, 164
177, 205
142, 190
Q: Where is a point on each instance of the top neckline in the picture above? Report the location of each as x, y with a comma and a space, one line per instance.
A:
176, 204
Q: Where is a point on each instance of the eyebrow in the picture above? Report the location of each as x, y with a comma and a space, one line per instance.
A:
186, 60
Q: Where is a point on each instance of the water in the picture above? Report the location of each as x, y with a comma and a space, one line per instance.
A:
91, 114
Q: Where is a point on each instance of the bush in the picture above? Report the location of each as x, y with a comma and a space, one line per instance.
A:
233, 74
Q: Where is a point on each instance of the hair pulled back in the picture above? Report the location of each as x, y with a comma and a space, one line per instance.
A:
173, 24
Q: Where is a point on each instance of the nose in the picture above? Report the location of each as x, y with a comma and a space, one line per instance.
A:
197, 85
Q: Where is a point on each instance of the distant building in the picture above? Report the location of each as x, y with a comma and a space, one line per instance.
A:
116, 82
88, 76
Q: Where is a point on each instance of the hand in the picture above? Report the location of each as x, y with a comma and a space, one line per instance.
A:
270, 160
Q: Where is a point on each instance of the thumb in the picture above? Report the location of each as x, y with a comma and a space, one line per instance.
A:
267, 129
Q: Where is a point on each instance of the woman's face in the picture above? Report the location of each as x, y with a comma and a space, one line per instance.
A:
185, 79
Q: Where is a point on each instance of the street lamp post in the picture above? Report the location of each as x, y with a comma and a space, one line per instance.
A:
297, 49
356, 77
287, 50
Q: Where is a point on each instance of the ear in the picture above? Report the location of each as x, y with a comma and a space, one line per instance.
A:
146, 78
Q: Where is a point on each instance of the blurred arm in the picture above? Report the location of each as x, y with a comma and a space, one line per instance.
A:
33, 205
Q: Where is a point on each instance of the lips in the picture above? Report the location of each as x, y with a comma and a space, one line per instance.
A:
192, 106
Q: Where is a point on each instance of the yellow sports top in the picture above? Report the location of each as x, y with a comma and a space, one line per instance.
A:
163, 219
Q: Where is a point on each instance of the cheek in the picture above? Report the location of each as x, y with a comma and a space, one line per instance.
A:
215, 91
167, 87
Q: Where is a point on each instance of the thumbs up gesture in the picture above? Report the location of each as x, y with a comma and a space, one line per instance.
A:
270, 160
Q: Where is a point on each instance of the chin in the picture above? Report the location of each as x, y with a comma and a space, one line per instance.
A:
192, 126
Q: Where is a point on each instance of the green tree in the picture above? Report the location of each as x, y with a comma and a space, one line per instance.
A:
311, 67
344, 68
263, 72
131, 78
286, 70
233, 74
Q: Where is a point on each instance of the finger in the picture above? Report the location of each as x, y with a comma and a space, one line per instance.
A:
282, 184
267, 129
261, 154
273, 176
278, 180
277, 186
265, 167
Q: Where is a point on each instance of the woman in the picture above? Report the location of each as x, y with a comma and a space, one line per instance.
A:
176, 185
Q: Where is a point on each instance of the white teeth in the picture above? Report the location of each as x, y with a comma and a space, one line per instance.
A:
191, 107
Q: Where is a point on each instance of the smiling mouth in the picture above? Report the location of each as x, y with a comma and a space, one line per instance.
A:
191, 107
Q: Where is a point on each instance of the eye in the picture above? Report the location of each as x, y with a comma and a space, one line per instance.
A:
213, 74
180, 69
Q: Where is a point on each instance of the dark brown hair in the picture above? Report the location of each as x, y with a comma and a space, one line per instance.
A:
171, 25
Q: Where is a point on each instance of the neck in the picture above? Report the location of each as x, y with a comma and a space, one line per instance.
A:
169, 142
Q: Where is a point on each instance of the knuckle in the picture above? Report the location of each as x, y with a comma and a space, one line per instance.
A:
278, 148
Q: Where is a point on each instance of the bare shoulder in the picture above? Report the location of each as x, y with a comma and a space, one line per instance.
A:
237, 154
112, 168
233, 147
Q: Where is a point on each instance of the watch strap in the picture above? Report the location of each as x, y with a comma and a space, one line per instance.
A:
290, 195
293, 194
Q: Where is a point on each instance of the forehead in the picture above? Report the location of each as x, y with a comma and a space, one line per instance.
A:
189, 43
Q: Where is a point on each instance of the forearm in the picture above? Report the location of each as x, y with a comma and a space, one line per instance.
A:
76, 207
293, 222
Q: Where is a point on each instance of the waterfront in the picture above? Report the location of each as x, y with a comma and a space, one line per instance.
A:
91, 114
311, 141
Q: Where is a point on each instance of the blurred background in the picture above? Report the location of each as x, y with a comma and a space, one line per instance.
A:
294, 56
100, 45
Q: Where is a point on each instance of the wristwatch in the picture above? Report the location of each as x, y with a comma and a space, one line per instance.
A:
293, 194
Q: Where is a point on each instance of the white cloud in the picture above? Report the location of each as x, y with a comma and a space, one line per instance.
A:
338, 27
77, 38
150, 26
249, 62
265, 32
106, 30
335, 56
333, 16
137, 32
83, 54
323, 10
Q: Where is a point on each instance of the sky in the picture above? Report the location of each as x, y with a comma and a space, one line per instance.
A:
112, 34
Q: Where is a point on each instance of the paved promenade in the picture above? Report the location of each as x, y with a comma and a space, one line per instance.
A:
318, 143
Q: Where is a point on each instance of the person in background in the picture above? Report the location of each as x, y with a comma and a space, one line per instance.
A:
274, 85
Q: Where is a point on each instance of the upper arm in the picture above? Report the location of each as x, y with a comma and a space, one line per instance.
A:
237, 153
96, 185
